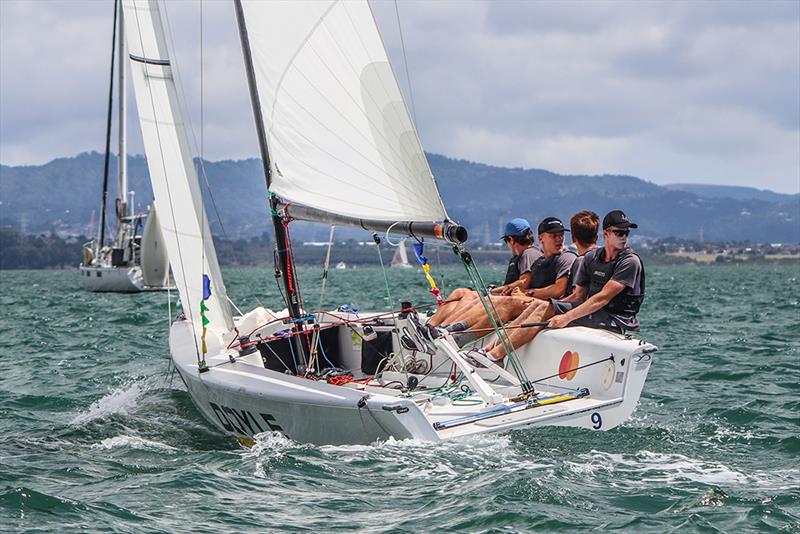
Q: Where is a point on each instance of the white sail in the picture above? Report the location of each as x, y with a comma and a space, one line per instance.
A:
182, 218
340, 136
155, 263
400, 258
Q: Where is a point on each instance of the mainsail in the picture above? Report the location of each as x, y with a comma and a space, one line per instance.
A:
340, 136
177, 192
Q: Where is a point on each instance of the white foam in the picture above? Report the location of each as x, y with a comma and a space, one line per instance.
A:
132, 442
660, 467
118, 401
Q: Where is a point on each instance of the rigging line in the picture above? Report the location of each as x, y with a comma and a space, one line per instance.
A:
104, 199
502, 333
396, 330
203, 221
326, 268
477, 281
188, 307
405, 63
182, 101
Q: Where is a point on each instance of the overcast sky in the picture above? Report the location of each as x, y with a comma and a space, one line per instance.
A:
700, 92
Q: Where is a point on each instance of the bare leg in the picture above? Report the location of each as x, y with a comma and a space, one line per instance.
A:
539, 311
449, 308
507, 308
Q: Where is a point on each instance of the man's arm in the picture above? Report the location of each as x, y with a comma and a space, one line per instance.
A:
597, 301
577, 295
553, 291
522, 282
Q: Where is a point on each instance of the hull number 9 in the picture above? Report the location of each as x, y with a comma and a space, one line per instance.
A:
597, 421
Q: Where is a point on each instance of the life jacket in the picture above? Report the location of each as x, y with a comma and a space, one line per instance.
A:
512, 273
600, 272
544, 270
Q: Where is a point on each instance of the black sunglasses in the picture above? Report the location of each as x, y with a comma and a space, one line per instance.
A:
620, 233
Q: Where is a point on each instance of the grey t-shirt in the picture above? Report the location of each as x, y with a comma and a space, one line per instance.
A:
565, 262
628, 273
526, 259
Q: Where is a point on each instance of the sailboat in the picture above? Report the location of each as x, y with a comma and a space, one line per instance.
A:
338, 147
400, 258
135, 259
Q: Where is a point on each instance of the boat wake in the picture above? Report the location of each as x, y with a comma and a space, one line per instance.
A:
120, 400
132, 442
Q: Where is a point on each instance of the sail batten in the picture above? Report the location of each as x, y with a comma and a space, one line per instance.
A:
340, 137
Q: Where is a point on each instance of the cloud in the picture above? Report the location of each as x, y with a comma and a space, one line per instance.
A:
669, 91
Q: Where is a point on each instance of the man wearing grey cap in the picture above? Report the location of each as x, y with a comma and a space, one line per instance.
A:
609, 290
519, 239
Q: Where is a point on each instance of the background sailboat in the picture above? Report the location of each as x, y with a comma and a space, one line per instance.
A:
400, 258
135, 259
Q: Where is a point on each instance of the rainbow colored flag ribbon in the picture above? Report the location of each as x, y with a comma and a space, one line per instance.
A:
418, 252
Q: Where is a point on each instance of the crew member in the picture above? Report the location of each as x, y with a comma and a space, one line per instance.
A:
519, 239
608, 293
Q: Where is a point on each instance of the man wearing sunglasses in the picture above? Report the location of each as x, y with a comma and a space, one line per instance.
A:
608, 293
609, 287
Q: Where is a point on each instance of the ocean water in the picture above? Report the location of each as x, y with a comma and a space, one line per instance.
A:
97, 435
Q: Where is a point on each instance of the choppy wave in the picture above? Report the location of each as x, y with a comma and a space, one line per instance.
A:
119, 400
94, 436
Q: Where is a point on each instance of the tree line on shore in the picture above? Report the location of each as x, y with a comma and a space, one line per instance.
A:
50, 251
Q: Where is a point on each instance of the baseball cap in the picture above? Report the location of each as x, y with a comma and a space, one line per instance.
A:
551, 225
619, 219
516, 228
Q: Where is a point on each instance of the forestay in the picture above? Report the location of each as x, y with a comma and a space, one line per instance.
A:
340, 136
177, 192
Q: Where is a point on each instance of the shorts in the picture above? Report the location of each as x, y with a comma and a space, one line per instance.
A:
599, 319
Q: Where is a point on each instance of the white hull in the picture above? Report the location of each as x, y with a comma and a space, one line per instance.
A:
112, 279
242, 398
115, 279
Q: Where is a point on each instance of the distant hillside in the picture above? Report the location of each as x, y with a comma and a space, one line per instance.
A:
62, 194
734, 192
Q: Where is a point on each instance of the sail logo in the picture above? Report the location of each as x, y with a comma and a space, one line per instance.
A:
568, 366
243, 422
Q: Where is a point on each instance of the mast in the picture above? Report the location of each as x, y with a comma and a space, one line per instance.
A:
287, 267
101, 232
122, 178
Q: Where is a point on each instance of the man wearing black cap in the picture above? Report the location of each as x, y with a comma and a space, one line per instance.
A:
608, 293
550, 273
